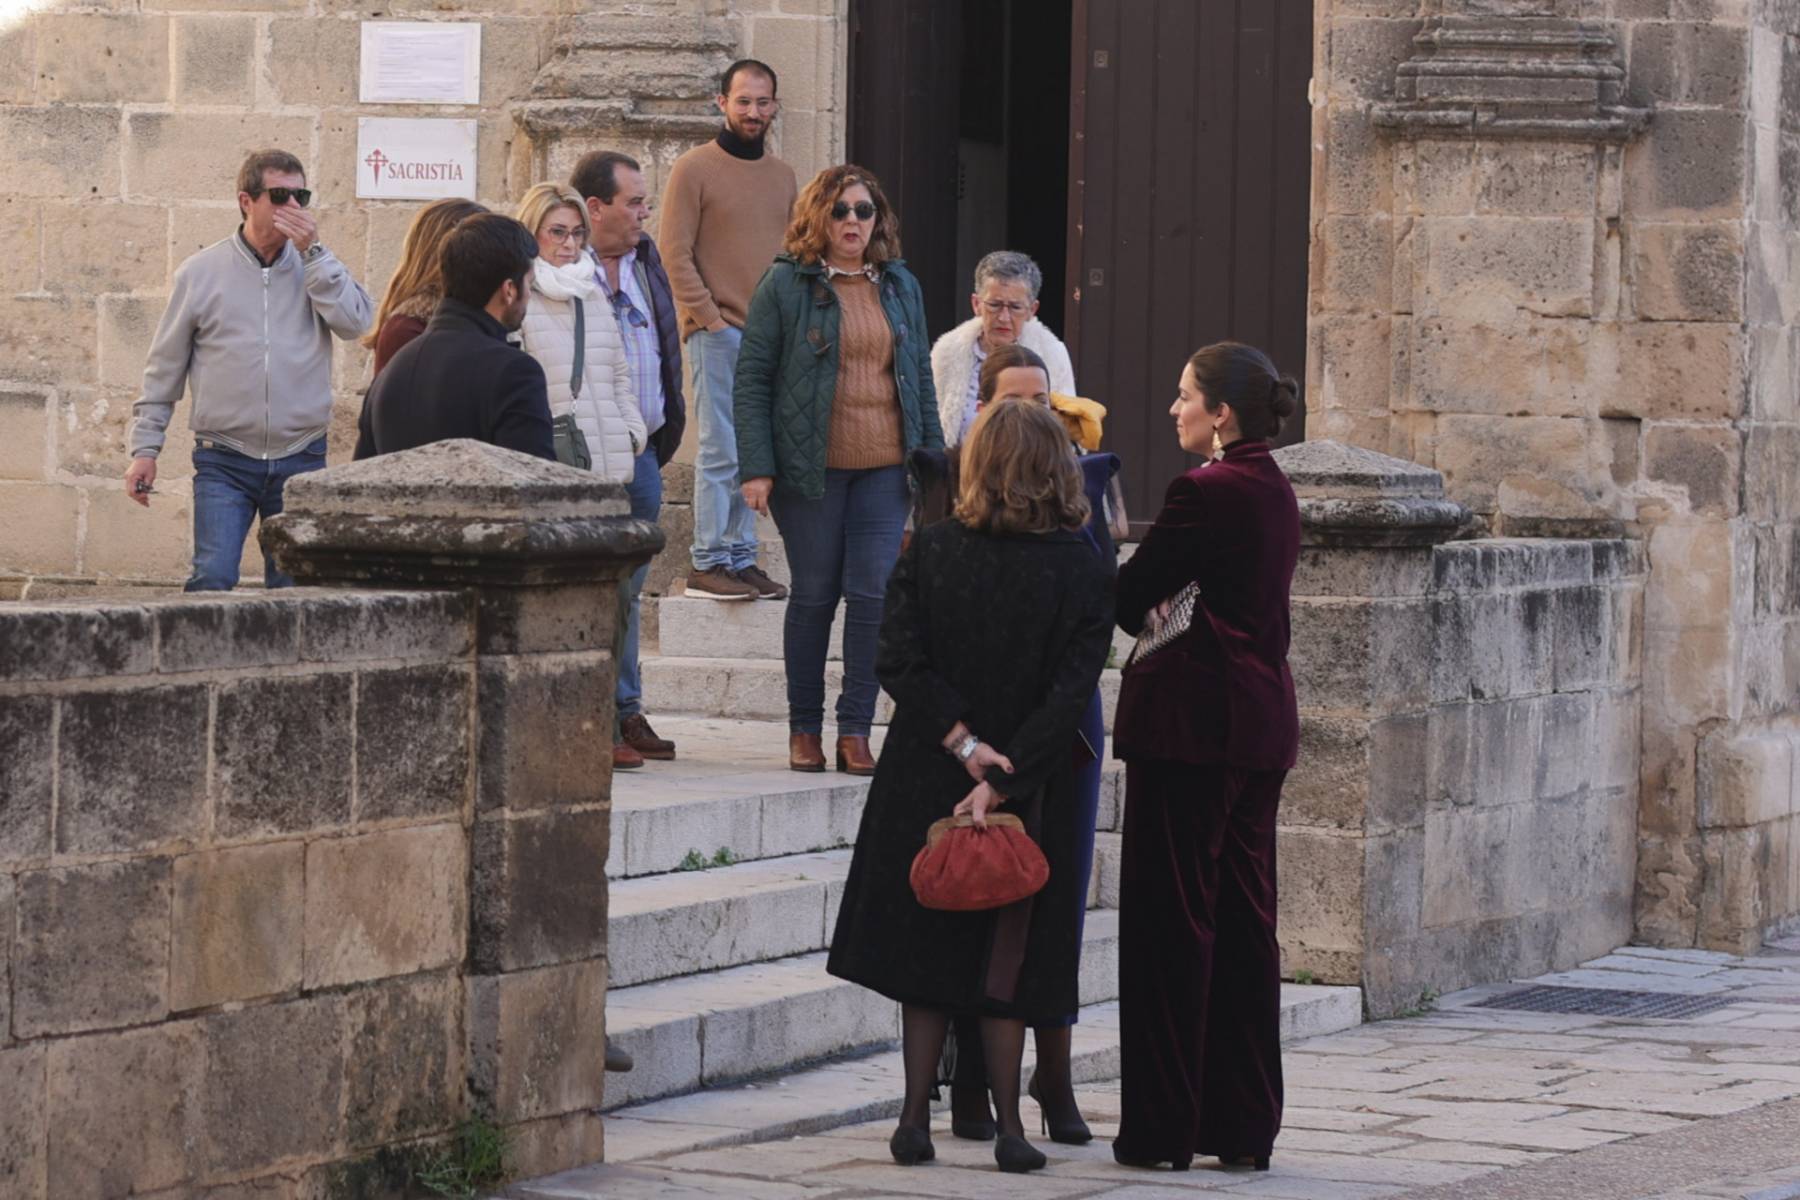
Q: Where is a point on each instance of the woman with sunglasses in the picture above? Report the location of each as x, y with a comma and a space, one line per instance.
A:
833, 392
417, 284
570, 328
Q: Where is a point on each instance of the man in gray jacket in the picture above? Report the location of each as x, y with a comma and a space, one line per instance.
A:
248, 328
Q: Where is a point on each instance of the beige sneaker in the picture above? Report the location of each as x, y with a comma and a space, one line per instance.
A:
719, 583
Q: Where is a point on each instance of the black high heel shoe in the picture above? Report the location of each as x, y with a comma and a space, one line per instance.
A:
1127, 1159
1256, 1162
911, 1145
1016, 1156
964, 1121
1074, 1133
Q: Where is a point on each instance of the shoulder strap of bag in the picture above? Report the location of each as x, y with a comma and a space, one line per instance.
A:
580, 351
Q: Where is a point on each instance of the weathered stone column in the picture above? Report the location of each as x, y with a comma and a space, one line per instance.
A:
1464, 807
1352, 817
542, 549
1556, 256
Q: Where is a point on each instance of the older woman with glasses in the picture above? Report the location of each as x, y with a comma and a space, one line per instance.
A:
833, 392
1005, 304
570, 328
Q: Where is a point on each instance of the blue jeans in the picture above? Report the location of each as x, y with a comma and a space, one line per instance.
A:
843, 544
724, 526
231, 491
645, 490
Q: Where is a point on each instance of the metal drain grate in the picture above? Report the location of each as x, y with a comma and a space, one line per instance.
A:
1606, 1002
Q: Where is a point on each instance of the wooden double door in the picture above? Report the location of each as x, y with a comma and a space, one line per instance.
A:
1158, 164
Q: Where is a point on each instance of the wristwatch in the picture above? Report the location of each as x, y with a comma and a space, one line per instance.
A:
965, 749
313, 251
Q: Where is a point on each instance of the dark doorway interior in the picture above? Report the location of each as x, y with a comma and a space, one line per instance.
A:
962, 108
1153, 156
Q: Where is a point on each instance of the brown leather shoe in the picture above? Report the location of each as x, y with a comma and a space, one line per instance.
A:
625, 758
853, 757
805, 753
635, 732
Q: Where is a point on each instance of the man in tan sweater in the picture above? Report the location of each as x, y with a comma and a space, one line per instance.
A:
724, 213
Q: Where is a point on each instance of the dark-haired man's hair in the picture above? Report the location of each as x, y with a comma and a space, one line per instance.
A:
1243, 377
250, 175
748, 64
483, 252
596, 174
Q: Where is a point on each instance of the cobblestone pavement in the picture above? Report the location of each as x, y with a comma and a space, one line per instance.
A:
1460, 1101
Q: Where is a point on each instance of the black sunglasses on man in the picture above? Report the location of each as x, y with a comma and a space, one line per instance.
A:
279, 196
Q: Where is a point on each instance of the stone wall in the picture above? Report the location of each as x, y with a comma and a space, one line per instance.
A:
1464, 808
234, 887
292, 884
121, 128
1556, 255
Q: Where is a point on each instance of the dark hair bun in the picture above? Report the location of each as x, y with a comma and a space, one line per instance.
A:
1284, 397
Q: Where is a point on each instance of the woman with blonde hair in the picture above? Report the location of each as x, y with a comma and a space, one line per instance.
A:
417, 284
833, 391
997, 626
571, 329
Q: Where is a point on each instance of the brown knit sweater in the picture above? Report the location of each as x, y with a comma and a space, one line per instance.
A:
722, 222
865, 408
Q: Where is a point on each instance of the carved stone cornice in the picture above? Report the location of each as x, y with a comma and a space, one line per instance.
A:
1523, 77
646, 75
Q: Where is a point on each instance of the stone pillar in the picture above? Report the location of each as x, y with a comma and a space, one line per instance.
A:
1556, 256
1352, 818
1464, 808
542, 549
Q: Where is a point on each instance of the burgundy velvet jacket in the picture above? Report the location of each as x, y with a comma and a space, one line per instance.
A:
1221, 693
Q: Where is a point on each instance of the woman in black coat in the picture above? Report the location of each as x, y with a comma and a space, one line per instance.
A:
1015, 371
1208, 729
996, 629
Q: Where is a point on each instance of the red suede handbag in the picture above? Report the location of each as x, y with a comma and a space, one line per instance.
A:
965, 868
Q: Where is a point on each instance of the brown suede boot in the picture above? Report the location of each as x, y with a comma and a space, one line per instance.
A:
853, 757
805, 753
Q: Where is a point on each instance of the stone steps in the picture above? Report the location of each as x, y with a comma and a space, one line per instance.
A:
718, 974
755, 689
718, 1028
868, 1088
695, 627
689, 922
731, 792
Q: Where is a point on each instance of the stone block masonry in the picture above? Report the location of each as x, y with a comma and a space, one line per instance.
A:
291, 884
1567, 279
1464, 806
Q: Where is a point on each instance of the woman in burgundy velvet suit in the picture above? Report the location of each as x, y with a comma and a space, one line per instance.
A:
1207, 728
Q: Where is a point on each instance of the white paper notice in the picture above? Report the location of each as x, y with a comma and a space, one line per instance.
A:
421, 62
402, 158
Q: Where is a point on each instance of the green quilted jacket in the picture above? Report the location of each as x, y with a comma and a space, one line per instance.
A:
787, 372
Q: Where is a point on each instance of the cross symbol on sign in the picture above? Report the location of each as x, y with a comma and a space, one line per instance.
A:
377, 160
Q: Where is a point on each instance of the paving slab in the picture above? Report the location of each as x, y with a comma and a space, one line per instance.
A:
1461, 1102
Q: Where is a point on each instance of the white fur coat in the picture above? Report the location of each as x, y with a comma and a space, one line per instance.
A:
953, 362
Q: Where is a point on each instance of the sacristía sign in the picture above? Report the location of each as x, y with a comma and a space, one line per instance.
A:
414, 158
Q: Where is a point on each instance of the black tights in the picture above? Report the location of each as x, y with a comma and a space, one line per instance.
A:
1055, 1080
922, 1043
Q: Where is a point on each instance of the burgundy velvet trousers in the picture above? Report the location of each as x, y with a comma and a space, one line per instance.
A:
1199, 968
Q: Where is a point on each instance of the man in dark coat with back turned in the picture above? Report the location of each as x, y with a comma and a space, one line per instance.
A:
460, 378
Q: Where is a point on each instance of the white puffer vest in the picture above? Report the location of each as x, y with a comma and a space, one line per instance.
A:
607, 411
